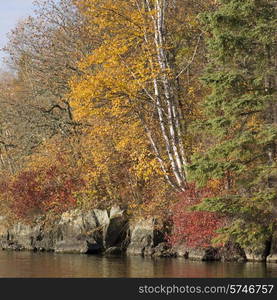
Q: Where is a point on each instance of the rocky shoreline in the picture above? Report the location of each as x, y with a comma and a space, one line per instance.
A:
112, 232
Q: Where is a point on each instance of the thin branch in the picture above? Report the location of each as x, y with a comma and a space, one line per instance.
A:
192, 59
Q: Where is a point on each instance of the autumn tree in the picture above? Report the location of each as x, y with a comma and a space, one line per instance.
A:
137, 69
43, 50
117, 83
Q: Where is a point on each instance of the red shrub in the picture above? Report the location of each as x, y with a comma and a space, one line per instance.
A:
194, 228
45, 190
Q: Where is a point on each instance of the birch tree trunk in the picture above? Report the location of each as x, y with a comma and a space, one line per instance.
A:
165, 98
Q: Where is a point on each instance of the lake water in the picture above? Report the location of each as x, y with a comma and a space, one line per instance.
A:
51, 265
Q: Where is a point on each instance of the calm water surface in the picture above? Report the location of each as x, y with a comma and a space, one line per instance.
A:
28, 264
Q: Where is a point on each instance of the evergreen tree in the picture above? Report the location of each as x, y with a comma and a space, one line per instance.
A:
240, 119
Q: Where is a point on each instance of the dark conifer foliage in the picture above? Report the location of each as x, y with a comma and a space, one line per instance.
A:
240, 118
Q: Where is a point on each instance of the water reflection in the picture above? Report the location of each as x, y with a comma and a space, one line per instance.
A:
28, 264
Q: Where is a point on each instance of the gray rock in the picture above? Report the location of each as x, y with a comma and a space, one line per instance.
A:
258, 254
75, 232
163, 250
201, 254
77, 246
232, 252
45, 240
101, 217
116, 211
204, 254
272, 257
3, 232
22, 236
71, 225
180, 250
144, 237
80, 232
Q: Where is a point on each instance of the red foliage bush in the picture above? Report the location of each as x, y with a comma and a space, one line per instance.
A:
194, 228
45, 190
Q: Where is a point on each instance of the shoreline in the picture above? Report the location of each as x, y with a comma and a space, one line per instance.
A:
113, 233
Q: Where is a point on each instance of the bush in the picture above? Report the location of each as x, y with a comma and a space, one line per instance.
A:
41, 191
194, 228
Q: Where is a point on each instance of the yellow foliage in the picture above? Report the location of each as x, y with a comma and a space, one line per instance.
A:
112, 93
115, 149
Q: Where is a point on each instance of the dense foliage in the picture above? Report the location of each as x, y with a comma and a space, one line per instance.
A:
241, 119
167, 108
194, 228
